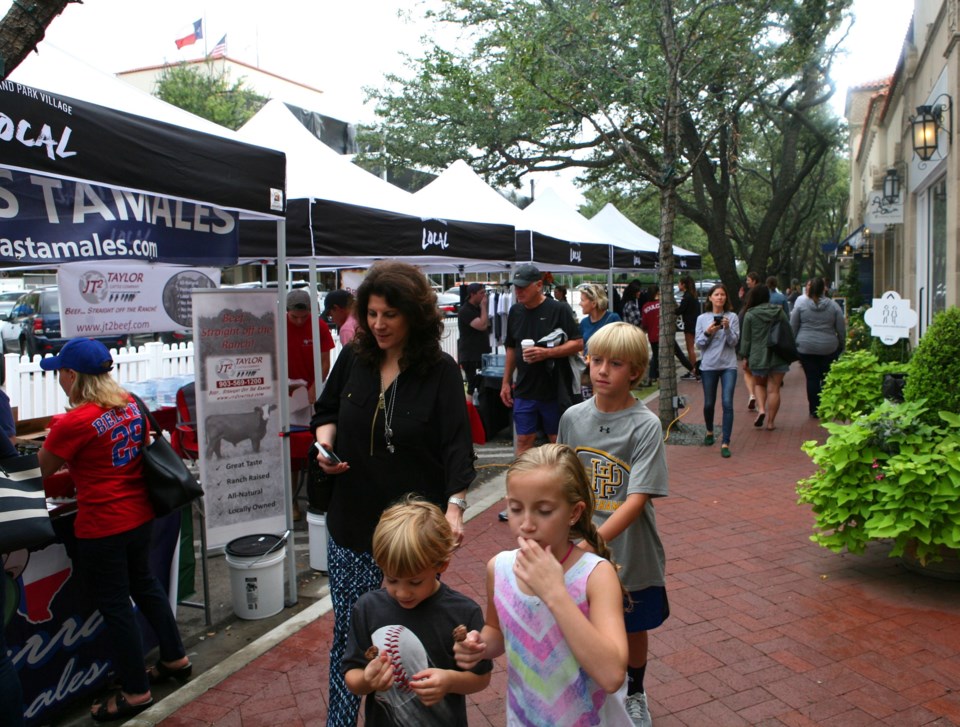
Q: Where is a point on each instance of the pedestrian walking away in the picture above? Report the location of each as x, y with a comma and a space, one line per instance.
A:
821, 332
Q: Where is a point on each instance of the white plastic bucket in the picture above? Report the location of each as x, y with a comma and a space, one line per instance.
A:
317, 531
256, 575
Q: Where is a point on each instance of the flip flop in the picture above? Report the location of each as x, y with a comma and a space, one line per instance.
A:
758, 422
124, 708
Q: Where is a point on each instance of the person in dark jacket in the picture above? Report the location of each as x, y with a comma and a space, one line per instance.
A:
688, 310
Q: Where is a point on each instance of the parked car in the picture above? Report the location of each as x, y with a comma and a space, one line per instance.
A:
33, 325
448, 303
7, 300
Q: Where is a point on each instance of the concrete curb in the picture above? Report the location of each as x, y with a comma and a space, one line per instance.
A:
483, 497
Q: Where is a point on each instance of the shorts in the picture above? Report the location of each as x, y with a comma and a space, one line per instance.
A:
764, 373
528, 414
649, 609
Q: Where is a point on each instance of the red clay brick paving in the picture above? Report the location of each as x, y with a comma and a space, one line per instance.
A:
766, 627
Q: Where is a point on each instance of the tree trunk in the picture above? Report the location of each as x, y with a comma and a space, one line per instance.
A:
23, 27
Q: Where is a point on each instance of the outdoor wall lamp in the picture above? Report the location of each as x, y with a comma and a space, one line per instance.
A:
891, 186
926, 126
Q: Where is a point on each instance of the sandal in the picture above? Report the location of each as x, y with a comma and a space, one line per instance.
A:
758, 422
124, 709
160, 672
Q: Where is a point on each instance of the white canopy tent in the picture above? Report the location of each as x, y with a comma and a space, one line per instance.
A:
628, 234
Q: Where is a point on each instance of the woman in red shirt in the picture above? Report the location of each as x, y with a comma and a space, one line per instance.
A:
100, 439
650, 322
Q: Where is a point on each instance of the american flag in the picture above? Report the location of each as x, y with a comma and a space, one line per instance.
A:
220, 49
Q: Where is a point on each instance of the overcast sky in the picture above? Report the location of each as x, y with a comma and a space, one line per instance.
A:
340, 47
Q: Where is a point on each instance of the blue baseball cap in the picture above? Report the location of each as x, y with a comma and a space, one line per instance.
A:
83, 355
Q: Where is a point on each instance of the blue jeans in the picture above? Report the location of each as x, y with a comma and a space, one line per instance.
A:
727, 378
115, 568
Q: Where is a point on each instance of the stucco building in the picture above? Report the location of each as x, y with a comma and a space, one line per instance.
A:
904, 203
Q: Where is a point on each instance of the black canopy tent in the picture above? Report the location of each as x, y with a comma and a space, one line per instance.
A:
60, 155
114, 148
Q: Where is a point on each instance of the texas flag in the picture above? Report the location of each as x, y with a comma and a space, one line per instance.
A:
193, 36
43, 578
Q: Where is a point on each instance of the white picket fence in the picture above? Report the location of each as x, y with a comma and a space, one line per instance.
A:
37, 393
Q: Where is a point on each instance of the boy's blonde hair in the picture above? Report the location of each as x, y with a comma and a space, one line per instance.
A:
412, 535
597, 294
623, 341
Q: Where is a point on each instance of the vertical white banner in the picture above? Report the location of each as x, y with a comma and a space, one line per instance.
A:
237, 380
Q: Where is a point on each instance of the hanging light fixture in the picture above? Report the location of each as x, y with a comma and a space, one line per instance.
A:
891, 186
926, 126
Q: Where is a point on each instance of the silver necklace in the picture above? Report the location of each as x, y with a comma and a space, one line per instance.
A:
388, 408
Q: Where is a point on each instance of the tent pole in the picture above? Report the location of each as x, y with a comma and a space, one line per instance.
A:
284, 398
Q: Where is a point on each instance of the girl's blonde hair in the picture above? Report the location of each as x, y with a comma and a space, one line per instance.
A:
99, 389
566, 467
412, 535
597, 294
623, 341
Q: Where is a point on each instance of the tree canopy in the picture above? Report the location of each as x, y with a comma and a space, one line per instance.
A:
206, 91
658, 95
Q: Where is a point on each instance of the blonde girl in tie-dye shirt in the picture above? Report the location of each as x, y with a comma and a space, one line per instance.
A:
555, 609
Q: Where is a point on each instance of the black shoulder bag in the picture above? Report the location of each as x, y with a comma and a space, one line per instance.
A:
170, 484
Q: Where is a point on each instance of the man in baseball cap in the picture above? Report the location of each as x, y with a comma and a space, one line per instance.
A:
541, 373
526, 275
83, 355
473, 322
300, 358
338, 305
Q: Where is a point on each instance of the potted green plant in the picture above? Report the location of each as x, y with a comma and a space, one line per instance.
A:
890, 474
854, 385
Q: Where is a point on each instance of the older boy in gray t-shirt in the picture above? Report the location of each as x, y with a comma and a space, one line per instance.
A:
620, 443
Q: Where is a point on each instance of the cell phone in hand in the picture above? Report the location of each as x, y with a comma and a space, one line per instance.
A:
718, 320
328, 453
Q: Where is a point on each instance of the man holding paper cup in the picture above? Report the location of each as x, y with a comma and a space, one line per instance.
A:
542, 369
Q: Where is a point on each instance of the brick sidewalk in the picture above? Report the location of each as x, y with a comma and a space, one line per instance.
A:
766, 627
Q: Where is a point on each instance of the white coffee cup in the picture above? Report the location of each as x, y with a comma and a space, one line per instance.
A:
525, 344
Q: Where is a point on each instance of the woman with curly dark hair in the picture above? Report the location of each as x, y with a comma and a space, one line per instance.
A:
394, 411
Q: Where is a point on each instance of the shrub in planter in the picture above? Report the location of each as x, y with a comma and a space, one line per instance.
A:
935, 366
891, 475
854, 385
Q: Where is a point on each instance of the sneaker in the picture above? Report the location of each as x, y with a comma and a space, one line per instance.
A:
689, 376
637, 710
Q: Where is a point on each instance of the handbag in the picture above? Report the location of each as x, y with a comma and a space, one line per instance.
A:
170, 484
24, 519
781, 342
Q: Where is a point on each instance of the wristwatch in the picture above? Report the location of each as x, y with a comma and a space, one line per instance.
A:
458, 501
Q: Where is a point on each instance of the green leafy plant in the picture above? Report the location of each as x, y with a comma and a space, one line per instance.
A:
859, 337
891, 475
854, 385
935, 366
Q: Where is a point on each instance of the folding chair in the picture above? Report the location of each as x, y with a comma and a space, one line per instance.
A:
184, 439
